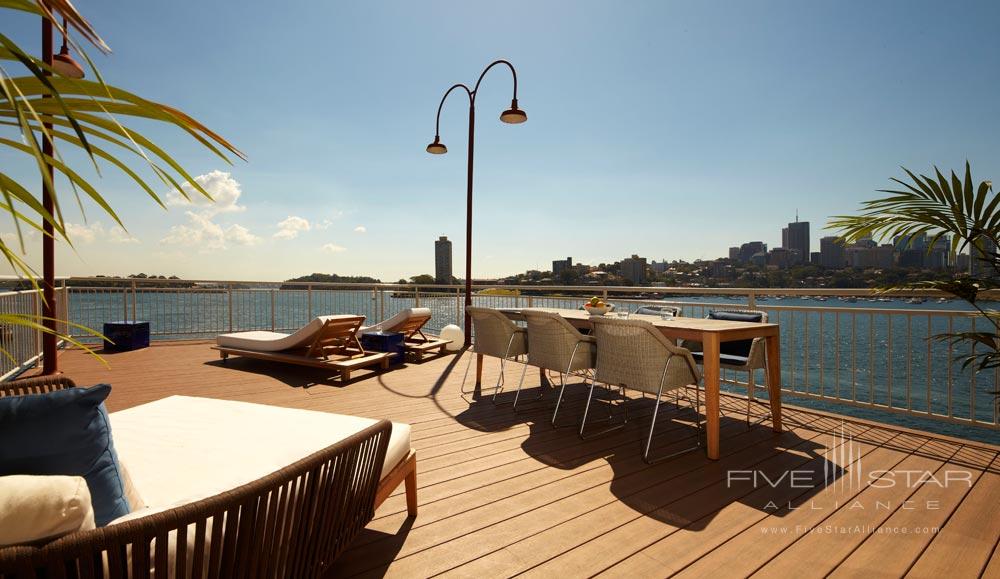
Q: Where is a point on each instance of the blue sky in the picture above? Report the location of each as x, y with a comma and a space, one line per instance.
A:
672, 130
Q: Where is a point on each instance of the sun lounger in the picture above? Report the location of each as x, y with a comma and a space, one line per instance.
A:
228, 488
409, 323
326, 342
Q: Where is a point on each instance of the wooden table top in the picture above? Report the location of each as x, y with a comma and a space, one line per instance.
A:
670, 325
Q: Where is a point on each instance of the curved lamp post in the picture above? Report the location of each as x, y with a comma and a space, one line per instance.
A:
512, 116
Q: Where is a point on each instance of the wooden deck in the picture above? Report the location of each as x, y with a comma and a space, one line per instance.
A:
504, 494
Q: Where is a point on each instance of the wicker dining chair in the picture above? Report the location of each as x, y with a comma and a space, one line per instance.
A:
659, 310
556, 345
497, 336
742, 356
633, 354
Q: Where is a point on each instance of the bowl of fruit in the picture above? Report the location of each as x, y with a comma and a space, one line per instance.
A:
597, 307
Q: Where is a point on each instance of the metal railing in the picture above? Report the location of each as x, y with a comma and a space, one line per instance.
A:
864, 355
22, 345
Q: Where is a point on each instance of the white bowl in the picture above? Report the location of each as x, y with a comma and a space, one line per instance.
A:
597, 310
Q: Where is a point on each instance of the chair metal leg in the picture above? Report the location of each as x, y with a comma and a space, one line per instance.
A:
586, 410
466, 375
520, 383
652, 428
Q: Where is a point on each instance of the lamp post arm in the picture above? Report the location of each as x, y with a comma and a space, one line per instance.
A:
437, 120
487, 69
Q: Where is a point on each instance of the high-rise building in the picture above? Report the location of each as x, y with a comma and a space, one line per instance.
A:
561, 265
634, 269
796, 237
831, 253
814, 258
750, 249
982, 260
734, 253
442, 260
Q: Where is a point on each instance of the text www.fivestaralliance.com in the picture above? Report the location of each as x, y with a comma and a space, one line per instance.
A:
848, 530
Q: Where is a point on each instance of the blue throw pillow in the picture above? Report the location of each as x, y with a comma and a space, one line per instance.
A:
65, 432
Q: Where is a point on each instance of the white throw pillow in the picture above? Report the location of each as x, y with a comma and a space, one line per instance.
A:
39, 508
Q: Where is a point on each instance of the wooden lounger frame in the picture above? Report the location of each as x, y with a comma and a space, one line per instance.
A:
416, 343
339, 486
336, 346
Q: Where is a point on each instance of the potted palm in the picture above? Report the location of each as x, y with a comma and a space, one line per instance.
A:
51, 107
942, 207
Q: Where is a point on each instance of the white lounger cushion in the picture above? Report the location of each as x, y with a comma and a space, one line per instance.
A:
262, 341
184, 448
398, 319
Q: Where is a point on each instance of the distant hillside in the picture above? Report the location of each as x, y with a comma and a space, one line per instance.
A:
332, 278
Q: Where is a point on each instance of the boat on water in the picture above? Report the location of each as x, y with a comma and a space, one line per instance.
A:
942, 300
851, 300
820, 298
916, 300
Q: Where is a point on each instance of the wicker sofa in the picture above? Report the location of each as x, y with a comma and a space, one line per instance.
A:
293, 522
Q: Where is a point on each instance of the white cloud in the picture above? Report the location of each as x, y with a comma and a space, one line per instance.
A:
225, 192
323, 224
89, 233
10, 238
200, 231
291, 227
331, 248
361, 229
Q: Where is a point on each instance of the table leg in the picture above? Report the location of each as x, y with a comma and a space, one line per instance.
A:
542, 379
710, 346
479, 370
773, 350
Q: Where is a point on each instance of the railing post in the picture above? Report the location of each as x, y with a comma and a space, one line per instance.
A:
309, 297
134, 317
36, 306
381, 303
531, 301
65, 291
458, 306
752, 300
272, 310
229, 293
416, 296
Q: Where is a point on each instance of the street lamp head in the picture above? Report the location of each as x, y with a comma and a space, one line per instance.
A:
63, 63
513, 115
437, 147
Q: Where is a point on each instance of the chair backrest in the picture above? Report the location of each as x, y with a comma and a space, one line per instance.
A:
554, 344
407, 322
742, 347
658, 310
634, 354
337, 334
492, 331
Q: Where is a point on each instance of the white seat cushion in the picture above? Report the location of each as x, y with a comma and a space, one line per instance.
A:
393, 323
187, 448
263, 341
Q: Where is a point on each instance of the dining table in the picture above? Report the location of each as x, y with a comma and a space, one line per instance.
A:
712, 334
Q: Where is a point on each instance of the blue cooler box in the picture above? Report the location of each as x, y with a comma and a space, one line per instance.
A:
125, 336
391, 342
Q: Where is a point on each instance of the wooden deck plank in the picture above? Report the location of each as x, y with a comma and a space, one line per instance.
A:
816, 555
503, 493
964, 546
894, 553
